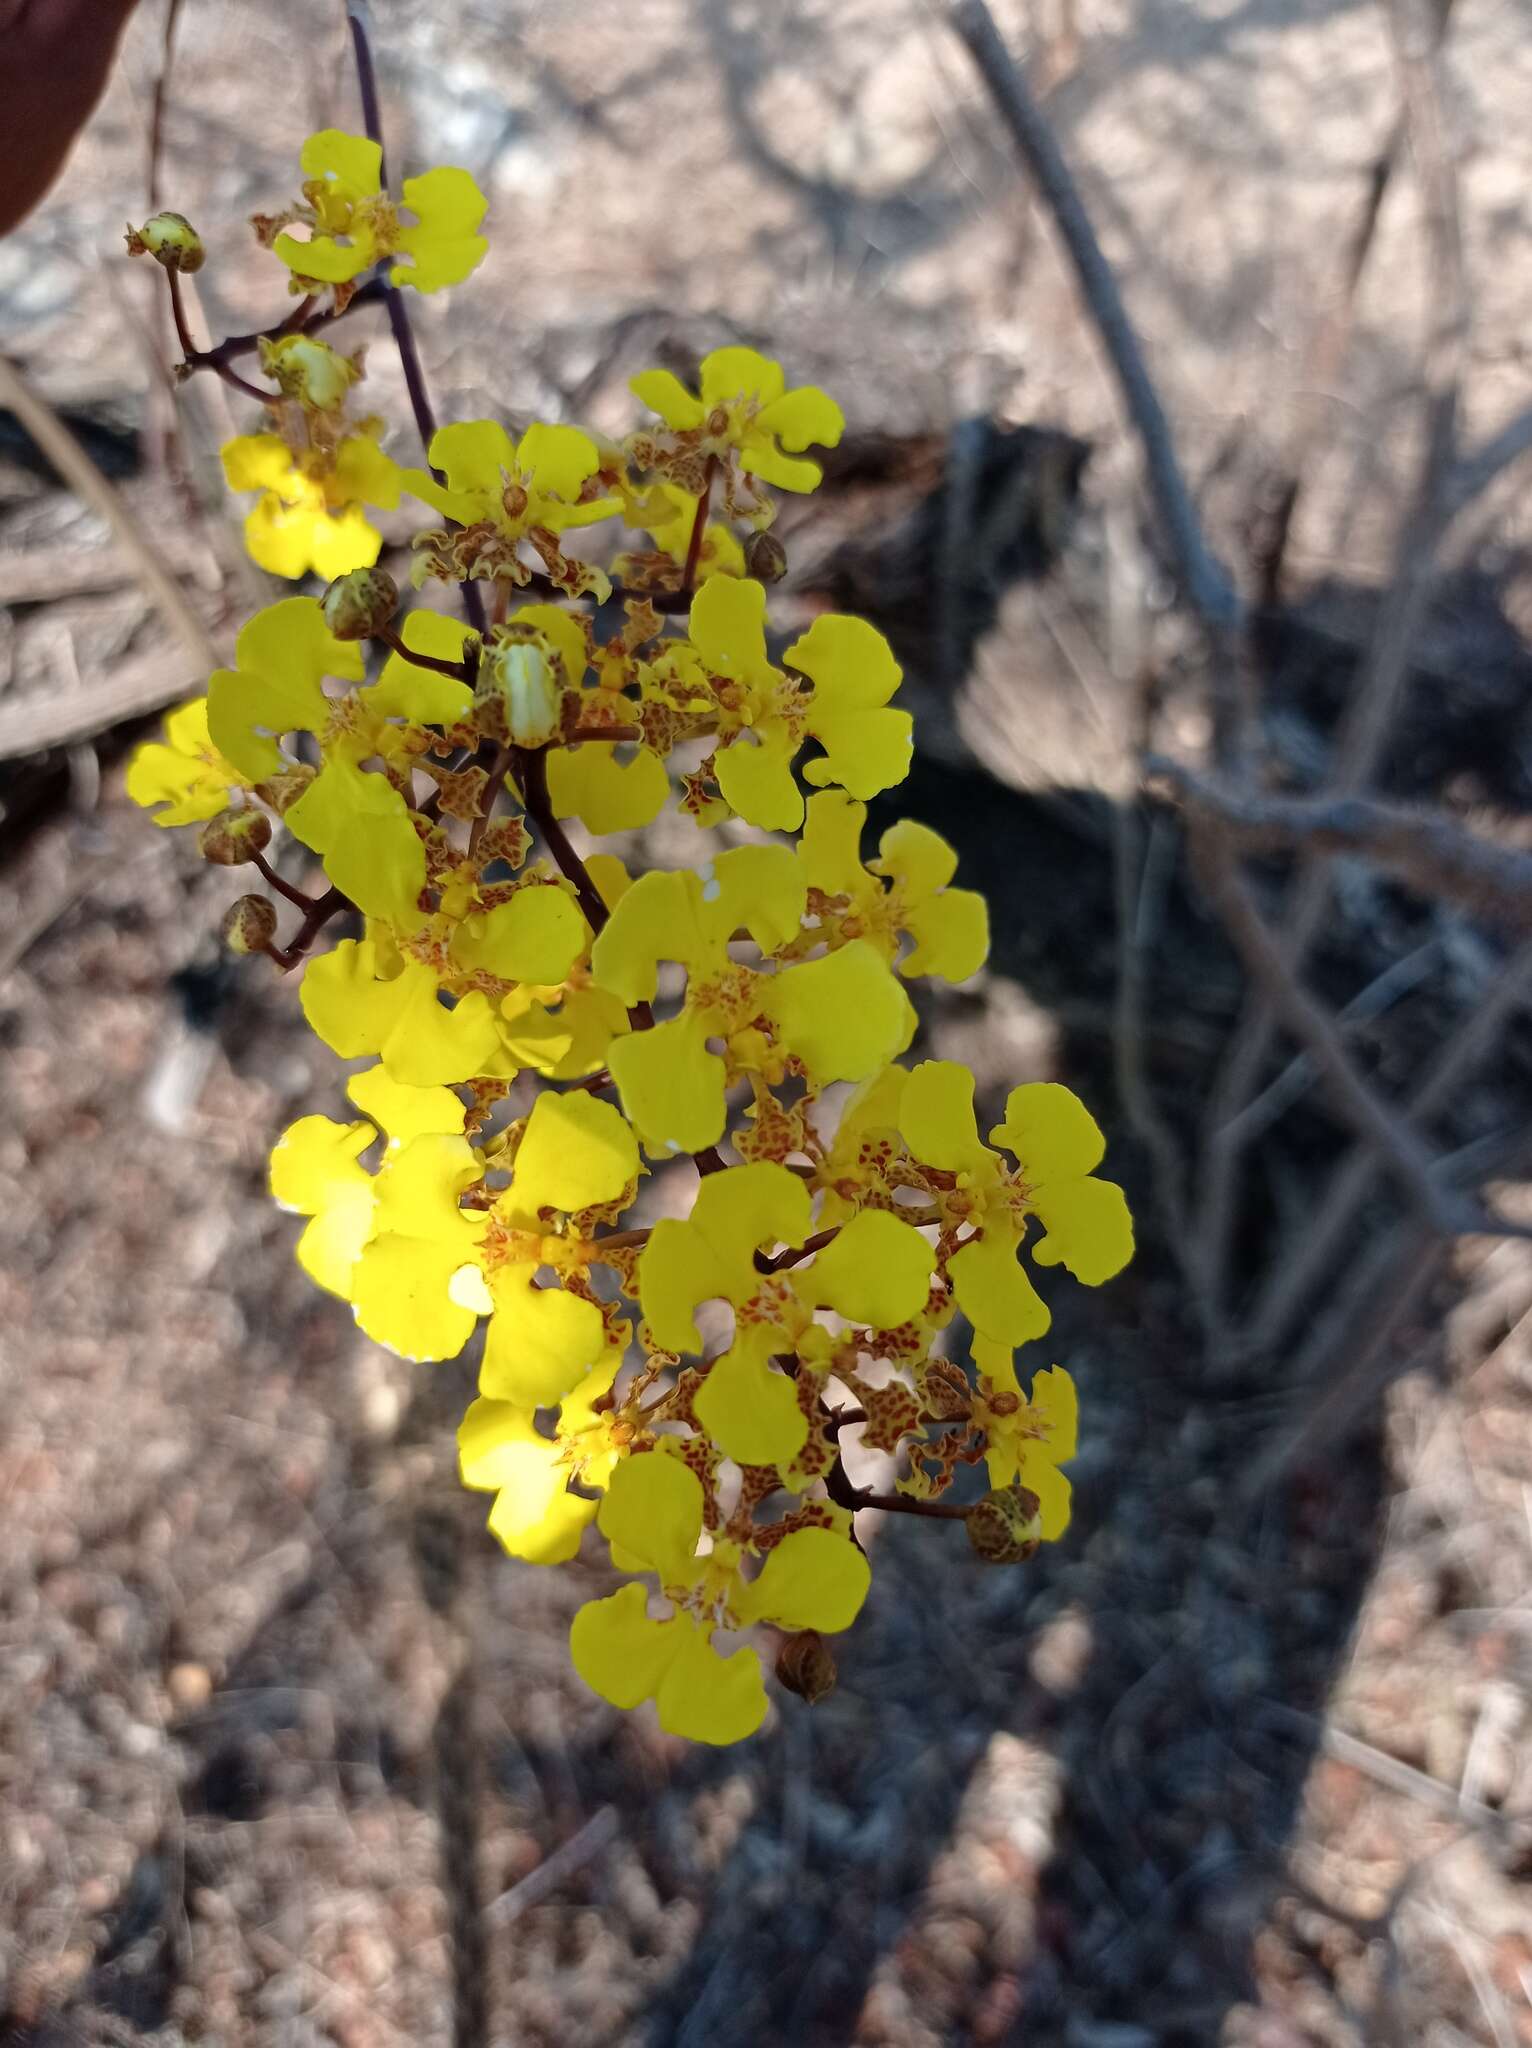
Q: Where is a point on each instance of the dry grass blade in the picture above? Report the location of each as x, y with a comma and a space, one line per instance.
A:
85, 479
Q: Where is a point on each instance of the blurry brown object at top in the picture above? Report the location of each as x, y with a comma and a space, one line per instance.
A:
55, 56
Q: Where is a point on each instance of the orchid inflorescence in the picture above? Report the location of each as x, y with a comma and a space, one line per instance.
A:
546, 1030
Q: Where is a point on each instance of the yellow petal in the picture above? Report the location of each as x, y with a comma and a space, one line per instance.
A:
360, 826
712, 1252
755, 778
672, 1087
401, 1292
280, 656
830, 848
350, 163
733, 373
804, 418
1089, 1228
404, 1112
750, 1412
877, 1272
446, 244
656, 919
706, 1698
558, 460
864, 751
256, 462
758, 889
541, 1341
619, 1652
844, 1016
787, 472
606, 794
653, 1510
314, 1171
343, 541
1055, 1400
404, 690
323, 258
993, 1290
535, 1516
315, 1160
663, 392
186, 772
951, 934
727, 626
850, 664
475, 456
936, 1117
536, 937
915, 857
346, 1002
1050, 1131
814, 1578
576, 1152
1041, 1476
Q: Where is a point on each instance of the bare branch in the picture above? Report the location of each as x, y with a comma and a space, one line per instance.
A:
1422, 847
1289, 1283
1375, 701
1411, 1159
1208, 585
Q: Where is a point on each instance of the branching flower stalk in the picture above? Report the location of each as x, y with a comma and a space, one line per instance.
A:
460, 769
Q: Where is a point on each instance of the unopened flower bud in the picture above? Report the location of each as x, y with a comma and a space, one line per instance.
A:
765, 558
806, 1666
520, 673
360, 604
283, 789
1006, 1526
947, 1392
249, 925
235, 837
171, 240
305, 368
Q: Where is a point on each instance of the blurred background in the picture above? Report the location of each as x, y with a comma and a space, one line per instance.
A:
289, 1752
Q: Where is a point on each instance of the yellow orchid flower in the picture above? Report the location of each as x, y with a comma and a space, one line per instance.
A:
353, 224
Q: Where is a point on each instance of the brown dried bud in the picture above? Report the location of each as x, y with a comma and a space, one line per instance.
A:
283, 789
947, 1392
171, 240
360, 604
236, 837
805, 1666
1006, 1526
249, 925
765, 558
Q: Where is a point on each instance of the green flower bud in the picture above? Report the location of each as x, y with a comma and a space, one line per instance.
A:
806, 1666
1006, 1526
171, 240
234, 837
360, 604
305, 368
249, 925
521, 675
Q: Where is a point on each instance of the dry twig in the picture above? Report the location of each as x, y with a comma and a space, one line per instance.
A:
85, 479
1210, 590
1424, 848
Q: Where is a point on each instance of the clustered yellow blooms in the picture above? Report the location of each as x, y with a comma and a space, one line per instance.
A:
546, 1030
